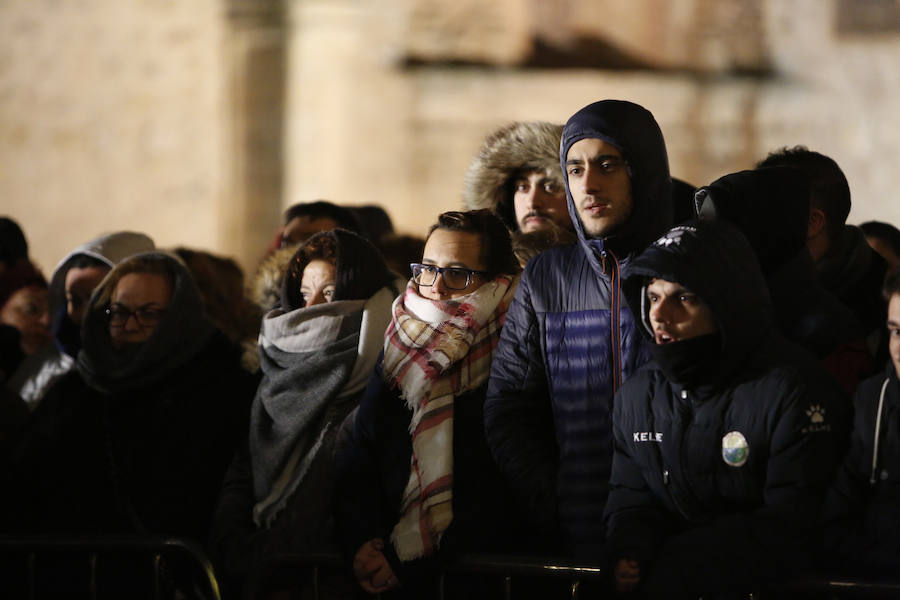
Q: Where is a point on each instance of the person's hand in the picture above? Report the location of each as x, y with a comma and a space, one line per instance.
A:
371, 568
627, 574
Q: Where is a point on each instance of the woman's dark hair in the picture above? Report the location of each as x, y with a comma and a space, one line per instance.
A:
360, 270
891, 284
496, 248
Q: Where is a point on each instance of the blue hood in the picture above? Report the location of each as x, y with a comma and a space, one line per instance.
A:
633, 130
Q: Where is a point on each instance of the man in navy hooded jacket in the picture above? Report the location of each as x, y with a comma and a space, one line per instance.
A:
569, 341
727, 439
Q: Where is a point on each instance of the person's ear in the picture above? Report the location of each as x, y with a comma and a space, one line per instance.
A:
816, 224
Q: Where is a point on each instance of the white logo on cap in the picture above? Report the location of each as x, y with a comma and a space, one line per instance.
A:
674, 235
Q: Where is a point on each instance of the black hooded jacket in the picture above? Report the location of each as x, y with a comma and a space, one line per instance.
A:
862, 509
804, 311
568, 343
715, 485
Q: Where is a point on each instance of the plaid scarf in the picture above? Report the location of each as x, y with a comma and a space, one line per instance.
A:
433, 352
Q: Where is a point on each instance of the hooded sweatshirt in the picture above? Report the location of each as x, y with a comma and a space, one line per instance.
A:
569, 342
722, 452
39, 372
804, 311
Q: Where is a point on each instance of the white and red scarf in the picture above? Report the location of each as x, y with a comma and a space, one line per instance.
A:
435, 351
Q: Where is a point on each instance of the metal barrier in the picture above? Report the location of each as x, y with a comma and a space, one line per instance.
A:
507, 568
157, 551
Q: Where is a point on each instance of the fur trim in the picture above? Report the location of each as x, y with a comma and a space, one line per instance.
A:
532, 145
265, 289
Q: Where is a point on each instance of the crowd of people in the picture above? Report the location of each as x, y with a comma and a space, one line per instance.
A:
694, 388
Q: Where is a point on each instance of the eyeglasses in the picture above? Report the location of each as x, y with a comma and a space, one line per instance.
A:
454, 278
118, 315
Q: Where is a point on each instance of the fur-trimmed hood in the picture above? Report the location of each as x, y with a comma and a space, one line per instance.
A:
517, 147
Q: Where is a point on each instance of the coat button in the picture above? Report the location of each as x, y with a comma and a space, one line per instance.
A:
684, 394
884, 475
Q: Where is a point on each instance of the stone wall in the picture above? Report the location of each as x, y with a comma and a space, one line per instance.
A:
199, 121
111, 117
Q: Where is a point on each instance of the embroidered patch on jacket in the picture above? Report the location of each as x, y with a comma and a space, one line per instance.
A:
735, 449
817, 422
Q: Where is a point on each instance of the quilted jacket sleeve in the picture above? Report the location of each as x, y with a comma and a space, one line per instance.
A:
518, 415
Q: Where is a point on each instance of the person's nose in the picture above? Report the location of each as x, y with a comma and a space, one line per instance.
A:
661, 312
318, 298
438, 286
131, 323
533, 198
44, 319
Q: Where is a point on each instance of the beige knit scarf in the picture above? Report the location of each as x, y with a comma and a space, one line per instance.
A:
435, 351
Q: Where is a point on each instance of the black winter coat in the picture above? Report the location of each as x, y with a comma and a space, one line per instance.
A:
373, 462
150, 460
862, 510
718, 477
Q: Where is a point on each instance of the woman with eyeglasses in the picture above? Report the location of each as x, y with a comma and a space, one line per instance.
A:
317, 351
138, 438
417, 483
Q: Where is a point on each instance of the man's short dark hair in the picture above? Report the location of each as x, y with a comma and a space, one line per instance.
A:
885, 232
829, 190
891, 284
496, 248
320, 209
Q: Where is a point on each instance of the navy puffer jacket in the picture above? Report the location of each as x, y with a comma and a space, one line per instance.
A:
716, 485
568, 342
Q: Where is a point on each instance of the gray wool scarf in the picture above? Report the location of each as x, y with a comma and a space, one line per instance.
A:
313, 360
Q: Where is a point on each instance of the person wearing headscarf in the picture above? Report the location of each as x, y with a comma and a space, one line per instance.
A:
71, 285
138, 437
416, 481
317, 351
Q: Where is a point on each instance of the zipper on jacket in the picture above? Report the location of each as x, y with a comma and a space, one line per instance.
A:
615, 333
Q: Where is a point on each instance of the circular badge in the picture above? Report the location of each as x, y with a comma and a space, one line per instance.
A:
735, 449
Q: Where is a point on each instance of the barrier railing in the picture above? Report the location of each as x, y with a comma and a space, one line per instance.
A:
158, 552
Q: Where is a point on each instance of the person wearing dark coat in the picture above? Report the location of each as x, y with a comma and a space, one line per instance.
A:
805, 312
569, 341
726, 441
846, 265
862, 510
71, 285
317, 353
416, 482
138, 437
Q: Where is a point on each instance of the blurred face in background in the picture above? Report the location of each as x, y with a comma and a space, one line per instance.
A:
894, 331
299, 229
80, 283
28, 311
137, 306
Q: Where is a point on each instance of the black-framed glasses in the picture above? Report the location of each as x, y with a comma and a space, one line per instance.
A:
145, 316
454, 278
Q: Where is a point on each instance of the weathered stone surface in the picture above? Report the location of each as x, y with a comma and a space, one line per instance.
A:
163, 115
